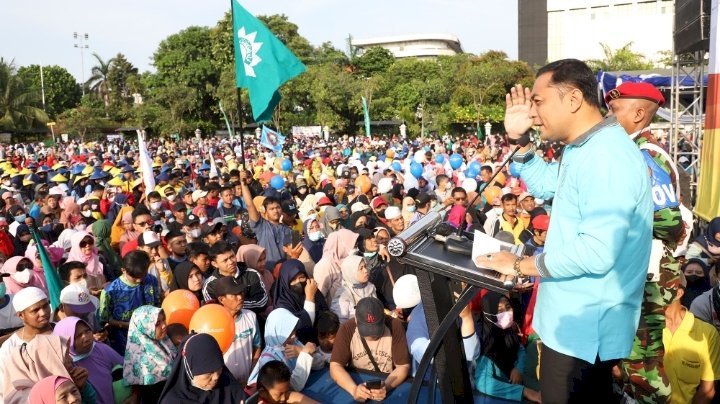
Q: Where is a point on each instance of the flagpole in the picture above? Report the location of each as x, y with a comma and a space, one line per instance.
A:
239, 98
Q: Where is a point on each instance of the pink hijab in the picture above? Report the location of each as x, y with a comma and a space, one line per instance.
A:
44, 391
10, 266
92, 261
70, 212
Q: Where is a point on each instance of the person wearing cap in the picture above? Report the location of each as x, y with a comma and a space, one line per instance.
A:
149, 241
370, 341
597, 255
526, 204
692, 352
32, 307
271, 233
634, 105
394, 220
76, 301
245, 349
191, 228
422, 207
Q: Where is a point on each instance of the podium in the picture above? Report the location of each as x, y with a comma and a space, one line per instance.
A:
441, 275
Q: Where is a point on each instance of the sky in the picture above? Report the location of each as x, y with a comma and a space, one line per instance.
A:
41, 31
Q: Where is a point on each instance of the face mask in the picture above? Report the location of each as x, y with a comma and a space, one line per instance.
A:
298, 288
370, 254
315, 236
195, 233
693, 280
504, 320
155, 205
82, 282
381, 214
86, 213
20, 219
47, 228
22, 277
239, 222
78, 358
111, 199
3, 289
171, 198
81, 227
498, 211
203, 220
412, 209
94, 206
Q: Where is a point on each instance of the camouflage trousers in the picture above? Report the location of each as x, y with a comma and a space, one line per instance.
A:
644, 372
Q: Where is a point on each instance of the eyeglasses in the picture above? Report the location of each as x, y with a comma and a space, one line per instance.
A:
23, 267
86, 243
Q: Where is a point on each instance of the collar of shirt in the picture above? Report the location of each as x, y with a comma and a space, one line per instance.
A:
582, 139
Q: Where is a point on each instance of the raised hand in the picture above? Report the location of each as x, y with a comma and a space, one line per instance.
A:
517, 111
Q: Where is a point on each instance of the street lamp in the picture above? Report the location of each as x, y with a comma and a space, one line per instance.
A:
81, 43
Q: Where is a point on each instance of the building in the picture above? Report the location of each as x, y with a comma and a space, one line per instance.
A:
423, 46
575, 28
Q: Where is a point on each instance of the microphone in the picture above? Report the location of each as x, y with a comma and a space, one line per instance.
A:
460, 244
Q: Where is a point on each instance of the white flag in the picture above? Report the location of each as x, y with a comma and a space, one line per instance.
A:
145, 164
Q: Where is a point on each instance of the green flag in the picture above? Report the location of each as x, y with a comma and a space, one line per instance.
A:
51, 276
366, 113
262, 62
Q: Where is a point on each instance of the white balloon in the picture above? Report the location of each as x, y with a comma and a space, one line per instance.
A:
420, 156
469, 185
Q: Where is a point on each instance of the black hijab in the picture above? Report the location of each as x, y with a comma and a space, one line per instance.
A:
314, 248
284, 297
499, 345
696, 286
200, 354
181, 273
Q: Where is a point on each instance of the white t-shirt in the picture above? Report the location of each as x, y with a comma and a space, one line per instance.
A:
238, 358
8, 316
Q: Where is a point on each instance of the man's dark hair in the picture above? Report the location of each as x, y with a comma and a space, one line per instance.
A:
440, 178
327, 322
218, 248
508, 198
67, 267
269, 201
97, 187
196, 249
272, 373
573, 73
136, 263
154, 195
486, 168
227, 188
234, 173
139, 211
458, 189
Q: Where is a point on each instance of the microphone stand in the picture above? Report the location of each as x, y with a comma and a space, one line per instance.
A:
459, 243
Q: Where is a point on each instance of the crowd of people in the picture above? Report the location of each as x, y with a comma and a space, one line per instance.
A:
293, 244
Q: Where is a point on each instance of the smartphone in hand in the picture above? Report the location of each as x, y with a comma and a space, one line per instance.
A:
375, 384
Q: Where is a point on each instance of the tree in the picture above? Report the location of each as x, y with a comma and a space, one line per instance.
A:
327, 53
622, 59
125, 81
287, 32
98, 81
19, 103
81, 120
61, 90
375, 60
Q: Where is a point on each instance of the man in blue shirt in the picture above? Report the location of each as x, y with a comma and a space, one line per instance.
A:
595, 259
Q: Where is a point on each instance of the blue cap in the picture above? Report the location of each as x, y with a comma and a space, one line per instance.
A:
205, 167
163, 177
77, 169
98, 174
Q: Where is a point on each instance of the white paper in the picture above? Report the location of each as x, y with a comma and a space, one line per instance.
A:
484, 244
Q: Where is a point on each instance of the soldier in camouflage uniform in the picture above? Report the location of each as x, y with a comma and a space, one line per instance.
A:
634, 105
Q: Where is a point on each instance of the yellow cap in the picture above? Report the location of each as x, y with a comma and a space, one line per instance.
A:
25, 171
58, 165
59, 178
136, 182
116, 182
88, 170
115, 171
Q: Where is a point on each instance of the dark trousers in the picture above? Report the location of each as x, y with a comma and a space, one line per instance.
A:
565, 379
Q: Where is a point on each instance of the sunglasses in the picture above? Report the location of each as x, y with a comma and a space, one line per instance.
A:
86, 243
23, 267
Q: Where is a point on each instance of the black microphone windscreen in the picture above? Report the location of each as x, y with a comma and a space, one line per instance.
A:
524, 140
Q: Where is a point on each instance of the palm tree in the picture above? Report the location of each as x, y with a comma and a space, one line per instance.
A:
19, 104
98, 82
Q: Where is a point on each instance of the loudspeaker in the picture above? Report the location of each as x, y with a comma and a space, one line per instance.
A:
692, 25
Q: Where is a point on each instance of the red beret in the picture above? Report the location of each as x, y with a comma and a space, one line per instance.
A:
645, 91
541, 222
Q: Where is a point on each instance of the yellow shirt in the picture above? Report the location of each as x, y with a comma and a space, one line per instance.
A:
692, 354
515, 230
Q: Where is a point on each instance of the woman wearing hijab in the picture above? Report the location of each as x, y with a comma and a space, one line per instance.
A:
327, 271
118, 226
83, 250
697, 275
503, 356
70, 214
408, 210
293, 291
330, 221
129, 232
99, 359
55, 255
255, 258
344, 215
706, 247
55, 389
188, 276
43, 356
355, 286
279, 340
358, 220
22, 274
149, 353
101, 230
22, 239
64, 241
199, 375
313, 243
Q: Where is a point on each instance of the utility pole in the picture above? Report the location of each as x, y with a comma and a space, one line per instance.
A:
81, 43
42, 86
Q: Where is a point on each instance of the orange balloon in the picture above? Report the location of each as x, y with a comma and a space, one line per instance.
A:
492, 193
217, 321
363, 182
179, 307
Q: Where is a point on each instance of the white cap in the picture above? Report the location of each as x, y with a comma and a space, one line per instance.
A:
406, 292
385, 185
393, 212
148, 238
26, 297
358, 207
79, 299
198, 194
